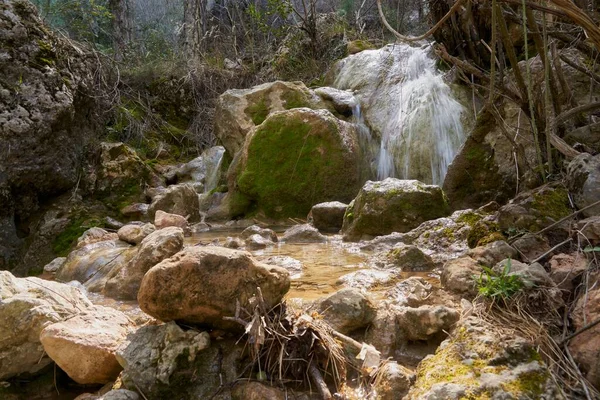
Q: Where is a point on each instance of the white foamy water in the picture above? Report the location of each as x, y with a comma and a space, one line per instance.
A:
406, 101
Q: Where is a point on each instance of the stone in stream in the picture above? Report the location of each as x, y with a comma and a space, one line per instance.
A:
392, 205
159, 245
163, 220
179, 199
266, 233
85, 346
293, 266
328, 217
408, 258
257, 242
135, 233
27, 306
200, 285
347, 310
303, 234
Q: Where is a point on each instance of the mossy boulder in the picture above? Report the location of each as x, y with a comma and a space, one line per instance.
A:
240, 110
482, 361
392, 205
295, 159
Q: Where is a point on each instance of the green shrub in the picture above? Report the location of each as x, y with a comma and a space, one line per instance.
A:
503, 285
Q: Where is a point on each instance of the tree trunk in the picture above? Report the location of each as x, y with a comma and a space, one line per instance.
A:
122, 26
194, 27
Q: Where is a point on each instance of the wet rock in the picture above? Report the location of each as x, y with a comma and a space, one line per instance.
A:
135, 233
159, 245
266, 233
303, 234
153, 354
181, 288
589, 229
408, 258
531, 246
291, 265
585, 347
492, 253
481, 360
164, 220
328, 217
84, 346
233, 243
392, 205
257, 242
54, 265
583, 177
256, 391
27, 306
347, 310
366, 278
203, 172
94, 235
411, 292
458, 276
93, 264
393, 382
566, 271
240, 110
135, 210
177, 199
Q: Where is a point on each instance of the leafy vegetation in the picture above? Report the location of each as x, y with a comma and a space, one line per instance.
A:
502, 285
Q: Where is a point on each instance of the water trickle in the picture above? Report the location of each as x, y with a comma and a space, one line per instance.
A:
213, 170
412, 110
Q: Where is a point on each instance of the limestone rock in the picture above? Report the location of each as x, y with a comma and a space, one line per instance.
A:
163, 220
233, 243
585, 347
392, 205
54, 265
531, 246
153, 354
483, 361
135, 210
179, 199
492, 253
347, 310
294, 159
203, 172
566, 271
394, 381
157, 246
257, 242
583, 177
293, 266
266, 233
412, 292
458, 275
94, 235
303, 234
27, 306
590, 230
135, 233
182, 288
408, 258
328, 217
240, 110
366, 278
85, 346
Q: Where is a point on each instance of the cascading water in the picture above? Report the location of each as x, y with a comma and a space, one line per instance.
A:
407, 103
213, 168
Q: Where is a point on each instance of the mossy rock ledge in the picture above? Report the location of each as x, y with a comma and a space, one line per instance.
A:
392, 205
293, 160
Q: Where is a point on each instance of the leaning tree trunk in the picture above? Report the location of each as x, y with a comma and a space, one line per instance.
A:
122, 26
194, 26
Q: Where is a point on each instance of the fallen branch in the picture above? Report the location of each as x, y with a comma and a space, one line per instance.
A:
317, 379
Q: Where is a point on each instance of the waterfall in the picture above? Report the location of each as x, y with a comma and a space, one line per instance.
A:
404, 98
213, 168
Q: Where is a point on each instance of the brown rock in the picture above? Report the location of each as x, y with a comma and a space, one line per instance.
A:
565, 269
585, 347
163, 220
95, 235
84, 346
200, 285
134, 233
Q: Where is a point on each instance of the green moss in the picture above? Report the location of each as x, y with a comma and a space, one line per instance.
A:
483, 232
219, 189
469, 218
294, 99
553, 203
529, 385
63, 243
258, 111
293, 164
491, 238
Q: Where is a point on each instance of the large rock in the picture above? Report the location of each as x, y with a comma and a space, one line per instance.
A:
27, 306
163, 220
153, 354
177, 199
182, 288
240, 110
294, 159
583, 177
480, 360
328, 217
303, 234
50, 117
93, 264
347, 310
135, 233
157, 246
392, 205
85, 346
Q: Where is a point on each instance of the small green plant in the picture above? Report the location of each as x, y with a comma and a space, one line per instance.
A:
504, 285
590, 249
